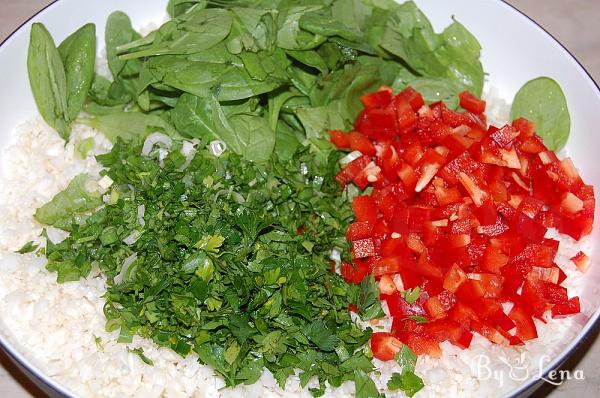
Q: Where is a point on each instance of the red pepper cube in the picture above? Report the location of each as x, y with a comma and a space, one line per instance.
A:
339, 139
361, 143
526, 127
355, 273
405, 115
385, 346
532, 298
359, 230
363, 248
352, 170
569, 308
365, 208
471, 103
454, 277
400, 308
413, 97
554, 293
505, 136
526, 329
378, 99
377, 123
527, 228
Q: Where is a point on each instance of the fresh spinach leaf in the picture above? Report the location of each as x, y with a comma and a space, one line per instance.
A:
543, 102
48, 80
78, 54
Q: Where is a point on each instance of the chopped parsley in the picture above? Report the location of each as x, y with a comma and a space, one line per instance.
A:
214, 263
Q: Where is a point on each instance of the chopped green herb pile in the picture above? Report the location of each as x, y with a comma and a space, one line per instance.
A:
218, 266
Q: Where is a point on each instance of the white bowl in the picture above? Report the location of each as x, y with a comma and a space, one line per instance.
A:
515, 50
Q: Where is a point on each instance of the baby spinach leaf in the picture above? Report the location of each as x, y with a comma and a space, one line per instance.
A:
48, 80
118, 32
177, 7
78, 54
245, 134
543, 102
192, 32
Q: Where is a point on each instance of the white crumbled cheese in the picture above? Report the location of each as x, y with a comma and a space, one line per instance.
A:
55, 325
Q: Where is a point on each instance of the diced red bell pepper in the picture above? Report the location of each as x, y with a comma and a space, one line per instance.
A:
454, 277
393, 265
582, 261
424, 345
400, 308
527, 228
471, 103
385, 346
500, 319
493, 260
554, 293
526, 127
363, 248
378, 99
486, 213
405, 115
470, 290
359, 230
526, 329
377, 123
413, 97
355, 273
532, 299
352, 170
387, 285
361, 143
569, 308
365, 208
339, 139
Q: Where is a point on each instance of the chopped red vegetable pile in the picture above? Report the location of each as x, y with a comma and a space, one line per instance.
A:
457, 217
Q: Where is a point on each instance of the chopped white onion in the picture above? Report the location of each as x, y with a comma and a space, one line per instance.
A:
132, 238
128, 261
105, 182
236, 196
349, 158
156, 138
336, 255
217, 147
140, 215
188, 150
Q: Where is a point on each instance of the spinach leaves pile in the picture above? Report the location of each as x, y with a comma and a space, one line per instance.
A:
263, 76
228, 257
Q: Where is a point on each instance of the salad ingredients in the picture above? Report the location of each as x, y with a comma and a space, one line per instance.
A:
543, 102
458, 211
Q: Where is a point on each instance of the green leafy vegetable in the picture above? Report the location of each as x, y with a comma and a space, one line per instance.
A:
543, 102
139, 351
412, 295
48, 80
78, 54
130, 126
68, 206
407, 381
28, 248
225, 274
